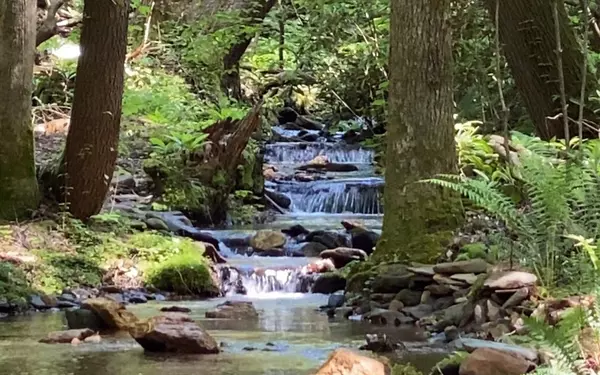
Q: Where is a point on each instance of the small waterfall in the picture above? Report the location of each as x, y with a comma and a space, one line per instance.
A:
257, 282
296, 152
360, 196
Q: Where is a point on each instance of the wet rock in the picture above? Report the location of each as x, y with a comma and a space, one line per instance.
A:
347, 362
321, 266
341, 256
349, 225
379, 343
280, 199
487, 361
36, 302
295, 231
111, 314
364, 240
117, 297
309, 137
396, 305
137, 298
452, 316
173, 332
267, 239
384, 317
308, 124
516, 298
448, 281
439, 290
409, 297
66, 304
156, 223
69, 297
111, 289
331, 240
65, 337
328, 283
336, 300
391, 279
383, 297
419, 311
480, 312
81, 318
179, 309
312, 249
236, 310
510, 280
287, 115
451, 333
465, 266
271, 252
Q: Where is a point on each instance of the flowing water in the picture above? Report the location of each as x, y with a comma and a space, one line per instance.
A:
291, 336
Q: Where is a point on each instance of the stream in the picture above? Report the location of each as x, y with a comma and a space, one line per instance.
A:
291, 336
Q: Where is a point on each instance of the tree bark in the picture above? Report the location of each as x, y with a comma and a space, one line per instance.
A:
419, 217
18, 186
527, 34
93, 137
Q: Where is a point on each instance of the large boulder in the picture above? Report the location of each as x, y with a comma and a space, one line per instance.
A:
65, 337
111, 314
331, 240
82, 318
487, 361
341, 256
233, 310
265, 240
173, 332
347, 362
311, 249
391, 278
328, 283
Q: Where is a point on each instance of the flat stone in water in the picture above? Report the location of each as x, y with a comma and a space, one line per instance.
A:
470, 345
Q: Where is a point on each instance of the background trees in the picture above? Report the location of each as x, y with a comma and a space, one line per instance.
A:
18, 186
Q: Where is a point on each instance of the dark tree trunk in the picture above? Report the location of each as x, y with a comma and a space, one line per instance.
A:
92, 142
18, 186
529, 43
419, 218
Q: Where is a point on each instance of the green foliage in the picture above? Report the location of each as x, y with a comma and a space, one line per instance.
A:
184, 273
561, 201
455, 359
405, 369
14, 287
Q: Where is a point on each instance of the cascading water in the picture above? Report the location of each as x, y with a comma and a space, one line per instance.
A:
258, 282
297, 152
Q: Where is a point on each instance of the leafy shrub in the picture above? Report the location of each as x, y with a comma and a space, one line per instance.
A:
14, 287
184, 273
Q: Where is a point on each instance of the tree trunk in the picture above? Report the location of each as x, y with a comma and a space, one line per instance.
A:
529, 43
92, 142
419, 217
18, 186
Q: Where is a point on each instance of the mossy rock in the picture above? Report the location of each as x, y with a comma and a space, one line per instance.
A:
477, 250
187, 273
356, 282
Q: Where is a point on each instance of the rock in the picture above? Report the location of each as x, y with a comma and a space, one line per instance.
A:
176, 309
480, 312
364, 240
328, 283
271, 252
280, 199
409, 297
312, 249
378, 343
67, 297
341, 256
81, 318
308, 124
295, 231
451, 333
470, 345
287, 115
391, 278
451, 316
349, 225
112, 315
93, 339
156, 223
439, 290
469, 278
233, 310
447, 281
443, 303
111, 289
267, 239
65, 337
486, 361
387, 318
173, 332
396, 305
321, 266
383, 297
422, 270
137, 298
464, 266
36, 302
419, 311
65, 304
116, 297
493, 310
331, 240
336, 300
510, 280
347, 362
50, 300
519, 296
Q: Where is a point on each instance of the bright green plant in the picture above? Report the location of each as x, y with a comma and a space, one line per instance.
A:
562, 200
